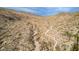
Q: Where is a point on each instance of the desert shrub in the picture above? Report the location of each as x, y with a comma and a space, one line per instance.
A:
76, 38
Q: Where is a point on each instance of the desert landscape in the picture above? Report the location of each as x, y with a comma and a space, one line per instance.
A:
21, 31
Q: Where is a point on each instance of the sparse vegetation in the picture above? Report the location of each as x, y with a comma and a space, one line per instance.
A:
76, 38
27, 32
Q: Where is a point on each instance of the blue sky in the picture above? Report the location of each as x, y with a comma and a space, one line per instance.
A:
46, 11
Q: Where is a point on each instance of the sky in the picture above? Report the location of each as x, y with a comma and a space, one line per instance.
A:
45, 11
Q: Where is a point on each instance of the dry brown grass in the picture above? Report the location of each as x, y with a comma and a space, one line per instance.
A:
27, 32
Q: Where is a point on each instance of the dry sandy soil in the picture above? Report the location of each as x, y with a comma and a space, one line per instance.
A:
28, 32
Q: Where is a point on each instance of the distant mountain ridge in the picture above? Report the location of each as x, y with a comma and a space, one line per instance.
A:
45, 11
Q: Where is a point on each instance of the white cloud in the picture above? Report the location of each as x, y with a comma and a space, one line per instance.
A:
62, 9
23, 9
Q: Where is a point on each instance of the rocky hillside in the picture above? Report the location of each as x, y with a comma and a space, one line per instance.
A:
28, 32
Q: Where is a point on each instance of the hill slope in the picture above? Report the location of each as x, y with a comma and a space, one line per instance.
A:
27, 32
